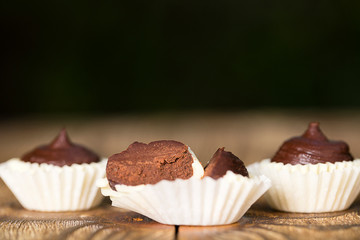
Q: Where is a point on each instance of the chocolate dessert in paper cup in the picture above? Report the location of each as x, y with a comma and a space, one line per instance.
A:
171, 187
60, 176
311, 174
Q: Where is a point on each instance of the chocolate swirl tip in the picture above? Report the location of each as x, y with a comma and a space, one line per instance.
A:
61, 141
314, 132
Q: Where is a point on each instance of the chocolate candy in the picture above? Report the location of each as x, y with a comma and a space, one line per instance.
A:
60, 152
223, 161
311, 148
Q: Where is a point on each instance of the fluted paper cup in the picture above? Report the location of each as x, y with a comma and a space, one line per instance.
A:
194, 201
45, 187
310, 188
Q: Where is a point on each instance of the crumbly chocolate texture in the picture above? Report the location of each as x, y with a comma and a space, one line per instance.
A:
60, 152
311, 148
150, 163
223, 161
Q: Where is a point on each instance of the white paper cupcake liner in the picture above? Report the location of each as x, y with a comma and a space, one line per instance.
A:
190, 202
310, 188
198, 170
45, 187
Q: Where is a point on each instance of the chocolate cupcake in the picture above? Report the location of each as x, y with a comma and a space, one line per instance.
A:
178, 192
311, 173
59, 176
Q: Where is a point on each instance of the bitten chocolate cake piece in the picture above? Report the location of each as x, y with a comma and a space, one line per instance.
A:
221, 162
150, 163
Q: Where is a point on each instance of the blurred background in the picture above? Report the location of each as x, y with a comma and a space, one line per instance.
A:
241, 74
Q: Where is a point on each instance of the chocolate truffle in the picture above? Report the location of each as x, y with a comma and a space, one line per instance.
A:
150, 163
223, 161
311, 148
60, 152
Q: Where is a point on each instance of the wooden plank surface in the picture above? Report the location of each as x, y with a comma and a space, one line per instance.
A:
103, 222
261, 222
250, 135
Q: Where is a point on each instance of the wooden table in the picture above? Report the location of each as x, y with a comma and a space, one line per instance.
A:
250, 135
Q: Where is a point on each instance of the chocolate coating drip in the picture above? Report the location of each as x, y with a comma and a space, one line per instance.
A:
311, 148
223, 161
149, 163
60, 152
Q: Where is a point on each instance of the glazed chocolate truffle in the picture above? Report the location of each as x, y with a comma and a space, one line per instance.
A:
311, 148
223, 161
150, 163
60, 152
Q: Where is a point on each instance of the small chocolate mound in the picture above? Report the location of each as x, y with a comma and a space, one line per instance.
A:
150, 163
60, 152
221, 162
311, 148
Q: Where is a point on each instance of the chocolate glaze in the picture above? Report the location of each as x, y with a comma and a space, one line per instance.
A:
221, 162
311, 148
149, 163
60, 152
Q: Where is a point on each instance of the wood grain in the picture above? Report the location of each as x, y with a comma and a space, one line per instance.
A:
250, 135
261, 222
103, 222
106, 222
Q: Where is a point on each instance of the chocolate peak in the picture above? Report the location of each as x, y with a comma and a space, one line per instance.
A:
223, 161
314, 132
60, 152
311, 148
61, 141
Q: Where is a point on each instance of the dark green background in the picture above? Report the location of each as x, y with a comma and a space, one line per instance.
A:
136, 56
